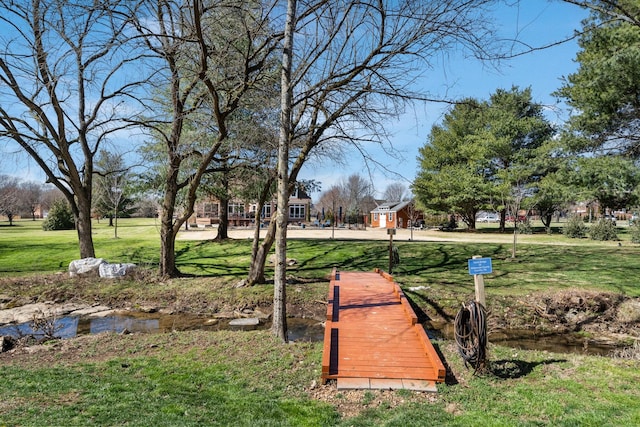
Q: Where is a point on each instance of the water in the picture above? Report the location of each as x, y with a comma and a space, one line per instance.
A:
298, 330
71, 326
531, 340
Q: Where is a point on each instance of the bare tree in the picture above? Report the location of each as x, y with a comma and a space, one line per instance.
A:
279, 326
358, 192
213, 55
67, 78
31, 197
355, 67
395, 192
413, 214
9, 197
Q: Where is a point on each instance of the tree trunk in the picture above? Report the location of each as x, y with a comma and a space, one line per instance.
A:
546, 221
503, 220
223, 224
167, 246
169, 230
279, 326
259, 254
83, 228
259, 251
515, 237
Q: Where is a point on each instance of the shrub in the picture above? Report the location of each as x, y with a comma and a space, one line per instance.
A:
60, 217
575, 228
603, 230
524, 227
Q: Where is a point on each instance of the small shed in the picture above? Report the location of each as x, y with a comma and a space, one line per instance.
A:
395, 215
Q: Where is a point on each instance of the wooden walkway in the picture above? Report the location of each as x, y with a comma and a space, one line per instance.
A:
372, 339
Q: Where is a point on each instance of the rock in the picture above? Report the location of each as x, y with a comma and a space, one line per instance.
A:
224, 315
261, 315
113, 271
85, 266
629, 311
247, 321
90, 310
27, 312
290, 261
6, 343
241, 284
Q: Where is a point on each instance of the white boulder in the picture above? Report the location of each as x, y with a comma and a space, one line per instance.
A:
85, 266
112, 271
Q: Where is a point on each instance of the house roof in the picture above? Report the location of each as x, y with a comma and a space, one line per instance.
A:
390, 207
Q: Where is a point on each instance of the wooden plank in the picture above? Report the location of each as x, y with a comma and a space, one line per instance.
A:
326, 353
432, 354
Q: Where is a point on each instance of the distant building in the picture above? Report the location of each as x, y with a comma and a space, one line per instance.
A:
396, 215
243, 213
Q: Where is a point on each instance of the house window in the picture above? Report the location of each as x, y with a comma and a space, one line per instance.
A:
236, 209
297, 211
390, 216
210, 210
266, 211
375, 216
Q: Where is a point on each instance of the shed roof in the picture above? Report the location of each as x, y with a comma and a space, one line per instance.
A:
390, 207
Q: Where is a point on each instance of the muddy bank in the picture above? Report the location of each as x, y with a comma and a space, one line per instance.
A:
568, 322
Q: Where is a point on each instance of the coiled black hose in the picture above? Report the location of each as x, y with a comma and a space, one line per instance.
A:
471, 334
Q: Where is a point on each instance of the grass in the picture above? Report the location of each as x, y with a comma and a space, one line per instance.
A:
25, 249
440, 268
247, 379
219, 381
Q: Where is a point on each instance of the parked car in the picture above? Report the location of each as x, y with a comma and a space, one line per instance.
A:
487, 217
610, 218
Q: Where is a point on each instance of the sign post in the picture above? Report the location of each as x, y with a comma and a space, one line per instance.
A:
477, 267
391, 232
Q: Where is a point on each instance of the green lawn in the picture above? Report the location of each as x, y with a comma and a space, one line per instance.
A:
246, 379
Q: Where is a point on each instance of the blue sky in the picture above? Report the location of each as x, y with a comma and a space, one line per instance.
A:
536, 22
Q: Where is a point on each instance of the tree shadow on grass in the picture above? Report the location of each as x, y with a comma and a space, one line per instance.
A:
422, 316
513, 369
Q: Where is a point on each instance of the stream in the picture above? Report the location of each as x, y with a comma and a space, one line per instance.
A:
299, 329
138, 322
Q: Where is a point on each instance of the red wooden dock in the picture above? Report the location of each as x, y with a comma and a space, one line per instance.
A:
372, 339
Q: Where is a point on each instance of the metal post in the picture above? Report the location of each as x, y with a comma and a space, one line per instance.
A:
391, 232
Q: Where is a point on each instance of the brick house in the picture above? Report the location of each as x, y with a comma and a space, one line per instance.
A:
243, 213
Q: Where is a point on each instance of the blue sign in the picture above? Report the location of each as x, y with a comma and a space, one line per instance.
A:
480, 266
